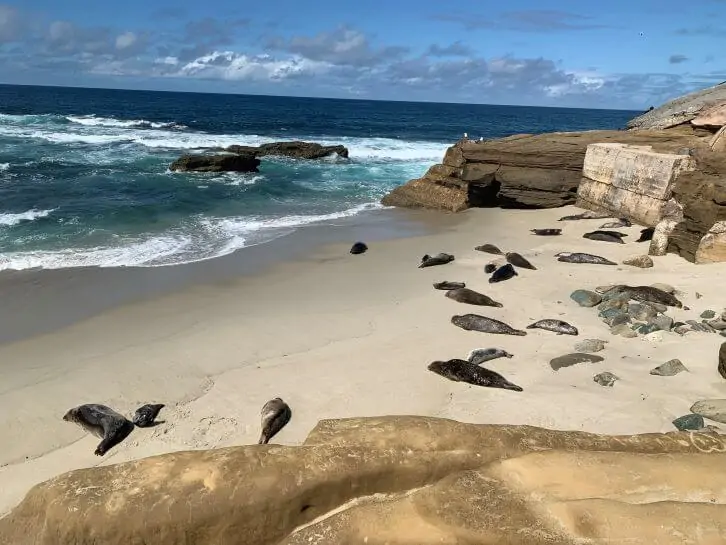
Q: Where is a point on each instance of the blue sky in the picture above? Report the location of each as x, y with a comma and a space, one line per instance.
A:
621, 54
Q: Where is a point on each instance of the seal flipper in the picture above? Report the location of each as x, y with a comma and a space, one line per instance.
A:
145, 416
113, 434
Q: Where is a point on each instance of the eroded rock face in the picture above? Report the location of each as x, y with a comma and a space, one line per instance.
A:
415, 480
681, 110
215, 163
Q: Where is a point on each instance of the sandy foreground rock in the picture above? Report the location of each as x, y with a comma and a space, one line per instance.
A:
396, 480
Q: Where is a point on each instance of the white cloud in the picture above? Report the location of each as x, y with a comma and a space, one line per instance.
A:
126, 40
229, 65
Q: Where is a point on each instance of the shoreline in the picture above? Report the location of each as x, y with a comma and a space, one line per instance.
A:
337, 335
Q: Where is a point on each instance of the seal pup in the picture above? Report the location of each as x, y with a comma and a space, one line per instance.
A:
471, 297
505, 272
462, 371
489, 248
648, 294
145, 417
605, 236
103, 422
579, 257
546, 232
438, 259
646, 234
622, 222
446, 285
516, 259
358, 248
558, 326
588, 215
475, 322
275, 415
480, 355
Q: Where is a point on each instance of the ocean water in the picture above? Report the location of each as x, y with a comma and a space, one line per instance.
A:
84, 178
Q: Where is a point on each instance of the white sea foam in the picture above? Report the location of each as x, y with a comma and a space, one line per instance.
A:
9, 219
93, 121
207, 239
4, 166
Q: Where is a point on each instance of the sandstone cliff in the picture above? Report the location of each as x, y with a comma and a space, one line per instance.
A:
396, 480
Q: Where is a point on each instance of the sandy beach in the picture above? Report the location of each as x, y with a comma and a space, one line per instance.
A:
339, 335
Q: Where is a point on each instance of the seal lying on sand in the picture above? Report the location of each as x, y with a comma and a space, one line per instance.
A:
606, 236
471, 297
505, 272
438, 259
446, 285
648, 294
489, 248
546, 232
358, 248
145, 416
579, 257
588, 215
275, 415
463, 371
480, 355
102, 422
475, 322
646, 234
558, 326
489, 268
516, 259
622, 222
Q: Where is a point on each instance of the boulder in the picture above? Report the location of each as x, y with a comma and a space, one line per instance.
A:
216, 163
395, 480
681, 110
297, 149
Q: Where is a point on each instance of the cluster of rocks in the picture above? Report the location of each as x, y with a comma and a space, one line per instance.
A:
246, 158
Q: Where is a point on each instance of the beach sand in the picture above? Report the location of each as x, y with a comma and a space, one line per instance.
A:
339, 335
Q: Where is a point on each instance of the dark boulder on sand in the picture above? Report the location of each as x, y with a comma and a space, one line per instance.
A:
216, 163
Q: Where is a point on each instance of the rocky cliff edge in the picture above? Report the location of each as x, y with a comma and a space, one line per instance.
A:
396, 480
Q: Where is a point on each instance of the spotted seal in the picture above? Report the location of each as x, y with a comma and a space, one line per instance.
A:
519, 261
605, 236
446, 285
103, 422
489, 249
546, 232
275, 416
622, 222
648, 294
505, 272
471, 297
475, 322
480, 355
579, 257
462, 371
438, 259
145, 416
588, 215
558, 326
359, 248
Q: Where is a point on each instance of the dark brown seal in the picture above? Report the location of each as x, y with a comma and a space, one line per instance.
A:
275, 416
471, 297
462, 371
475, 322
103, 422
518, 261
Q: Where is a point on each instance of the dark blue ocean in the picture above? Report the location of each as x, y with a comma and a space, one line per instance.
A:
84, 177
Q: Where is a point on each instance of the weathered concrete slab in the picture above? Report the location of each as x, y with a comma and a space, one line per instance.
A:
712, 248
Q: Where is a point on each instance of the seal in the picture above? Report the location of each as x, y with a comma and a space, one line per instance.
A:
438, 259
516, 259
103, 422
647, 294
505, 272
489, 268
579, 257
489, 248
275, 416
622, 222
462, 371
480, 355
446, 285
471, 297
145, 417
546, 232
588, 215
558, 326
359, 248
646, 234
605, 236
475, 322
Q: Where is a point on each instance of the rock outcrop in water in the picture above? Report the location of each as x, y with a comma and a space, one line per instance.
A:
295, 149
216, 163
395, 480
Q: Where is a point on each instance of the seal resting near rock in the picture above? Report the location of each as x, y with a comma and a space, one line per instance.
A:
475, 322
489, 268
646, 234
438, 259
622, 222
145, 416
558, 326
489, 248
103, 422
516, 259
546, 232
358, 248
579, 257
462, 371
471, 297
505, 272
275, 416
445, 285
606, 236
648, 294
480, 355
589, 215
